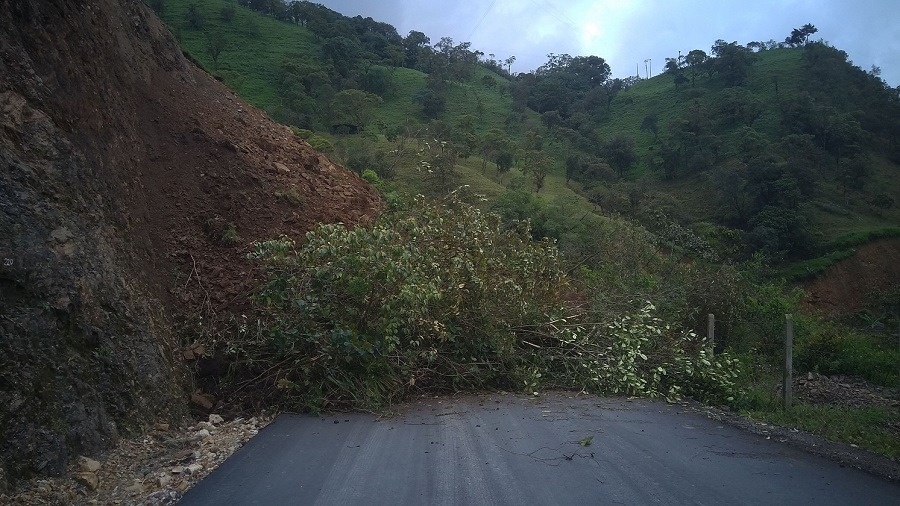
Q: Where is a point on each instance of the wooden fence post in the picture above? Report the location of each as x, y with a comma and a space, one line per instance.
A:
711, 333
788, 359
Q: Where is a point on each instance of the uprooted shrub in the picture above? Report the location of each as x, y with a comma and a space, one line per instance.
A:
442, 297
636, 354
433, 299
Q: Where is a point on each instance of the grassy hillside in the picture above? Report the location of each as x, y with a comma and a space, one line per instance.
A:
778, 75
661, 97
258, 45
758, 168
255, 46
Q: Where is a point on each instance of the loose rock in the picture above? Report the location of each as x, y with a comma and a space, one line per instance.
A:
88, 464
155, 468
88, 479
205, 401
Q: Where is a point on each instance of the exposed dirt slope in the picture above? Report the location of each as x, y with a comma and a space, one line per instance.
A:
857, 281
132, 184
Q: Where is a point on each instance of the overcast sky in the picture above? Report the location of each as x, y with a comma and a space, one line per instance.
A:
626, 33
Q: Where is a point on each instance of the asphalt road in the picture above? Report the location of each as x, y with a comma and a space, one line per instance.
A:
517, 450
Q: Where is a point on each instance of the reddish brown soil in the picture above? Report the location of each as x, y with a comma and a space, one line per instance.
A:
850, 285
219, 162
201, 160
224, 164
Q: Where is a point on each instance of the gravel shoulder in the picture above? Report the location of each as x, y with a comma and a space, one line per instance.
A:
155, 468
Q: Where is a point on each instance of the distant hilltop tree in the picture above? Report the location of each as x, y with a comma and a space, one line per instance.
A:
800, 36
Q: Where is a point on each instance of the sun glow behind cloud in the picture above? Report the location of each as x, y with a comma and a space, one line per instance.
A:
604, 24
625, 33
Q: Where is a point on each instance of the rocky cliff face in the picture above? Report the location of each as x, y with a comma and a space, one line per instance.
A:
131, 185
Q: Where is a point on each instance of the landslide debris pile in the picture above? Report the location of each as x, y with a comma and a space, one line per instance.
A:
132, 184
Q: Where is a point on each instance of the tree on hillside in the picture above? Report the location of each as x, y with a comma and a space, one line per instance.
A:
465, 140
842, 135
651, 124
304, 89
778, 231
695, 61
438, 160
355, 107
194, 17
611, 88
452, 62
852, 172
740, 106
504, 161
551, 94
672, 66
275, 8
497, 147
375, 80
749, 144
589, 71
537, 164
433, 101
732, 61
342, 52
588, 168
573, 167
734, 198
215, 44
693, 136
804, 160
620, 153
567, 84
579, 73
669, 159
800, 36
509, 61
551, 119
675, 69
533, 141
756, 46
414, 44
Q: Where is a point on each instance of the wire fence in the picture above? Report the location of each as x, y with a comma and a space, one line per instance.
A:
768, 342
784, 346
